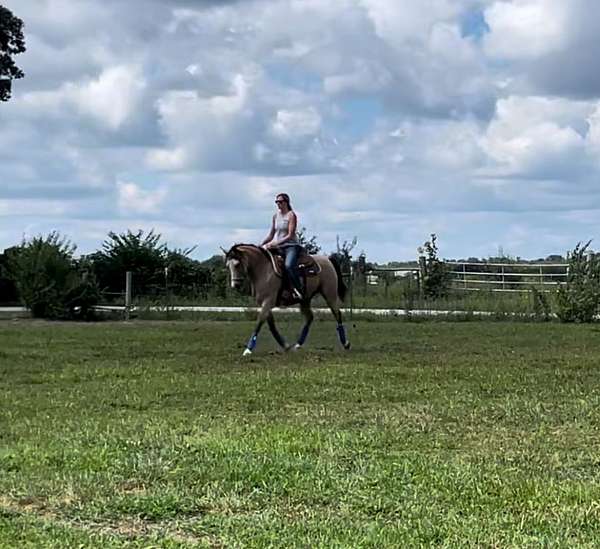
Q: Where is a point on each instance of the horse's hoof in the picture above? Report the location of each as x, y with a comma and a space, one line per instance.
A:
247, 352
347, 346
296, 347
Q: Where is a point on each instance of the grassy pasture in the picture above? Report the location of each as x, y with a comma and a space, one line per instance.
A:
156, 434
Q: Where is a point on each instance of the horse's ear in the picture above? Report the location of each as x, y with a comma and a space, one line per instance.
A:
223, 250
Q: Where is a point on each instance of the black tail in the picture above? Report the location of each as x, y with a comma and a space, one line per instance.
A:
341, 289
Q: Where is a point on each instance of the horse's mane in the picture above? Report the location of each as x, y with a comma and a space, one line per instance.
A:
235, 247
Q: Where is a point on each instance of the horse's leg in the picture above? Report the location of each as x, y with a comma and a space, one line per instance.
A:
278, 337
308, 318
333, 302
263, 315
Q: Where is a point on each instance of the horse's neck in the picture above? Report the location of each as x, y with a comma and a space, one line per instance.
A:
257, 262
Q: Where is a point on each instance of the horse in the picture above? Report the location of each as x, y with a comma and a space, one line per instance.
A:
267, 280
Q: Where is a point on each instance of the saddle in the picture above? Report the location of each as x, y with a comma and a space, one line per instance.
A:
306, 264
307, 267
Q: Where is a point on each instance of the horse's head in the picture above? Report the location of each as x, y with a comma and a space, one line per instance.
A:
235, 262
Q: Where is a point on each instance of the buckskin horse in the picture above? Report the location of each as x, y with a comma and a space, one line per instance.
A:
265, 271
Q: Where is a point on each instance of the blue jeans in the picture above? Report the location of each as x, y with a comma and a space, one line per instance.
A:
290, 254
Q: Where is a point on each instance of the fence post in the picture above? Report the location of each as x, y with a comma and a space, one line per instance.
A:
503, 279
128, 291
351, 292
464, 276
422, 271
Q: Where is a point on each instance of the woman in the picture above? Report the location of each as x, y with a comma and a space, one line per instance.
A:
283, 238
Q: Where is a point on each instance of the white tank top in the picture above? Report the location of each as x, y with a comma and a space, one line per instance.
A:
282, 223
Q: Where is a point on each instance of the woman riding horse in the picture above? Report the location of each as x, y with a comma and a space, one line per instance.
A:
258, 264
283, 239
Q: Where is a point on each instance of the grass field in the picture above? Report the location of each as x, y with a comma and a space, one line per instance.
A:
155, 434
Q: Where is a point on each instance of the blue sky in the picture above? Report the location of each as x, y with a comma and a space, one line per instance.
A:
387, 120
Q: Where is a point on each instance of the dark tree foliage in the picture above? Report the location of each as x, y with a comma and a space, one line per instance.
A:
436, 278
156, 269
579, 299
344, 252
309, 243
141, 253
12, 42
218, 274
50, 282
8, 288
186, 276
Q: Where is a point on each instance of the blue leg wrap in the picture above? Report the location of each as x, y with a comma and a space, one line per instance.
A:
252, 342
303, 334
342, 334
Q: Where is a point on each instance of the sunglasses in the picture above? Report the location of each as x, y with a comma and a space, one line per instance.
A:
279, 201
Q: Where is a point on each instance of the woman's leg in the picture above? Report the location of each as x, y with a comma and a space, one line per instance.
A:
291, 266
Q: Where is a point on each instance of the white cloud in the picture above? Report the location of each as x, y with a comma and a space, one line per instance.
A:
112, 97
526, 29
399, 117
133, 199
538, 137
109, 100
293, 124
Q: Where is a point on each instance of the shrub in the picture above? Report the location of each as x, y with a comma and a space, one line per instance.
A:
435, 275
540, 305
578, 299
49, 280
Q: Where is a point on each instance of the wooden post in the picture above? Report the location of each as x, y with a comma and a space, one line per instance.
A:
128, 292
503, 279
464, 276
351, 293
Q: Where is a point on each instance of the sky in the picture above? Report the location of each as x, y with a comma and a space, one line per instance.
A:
388, 120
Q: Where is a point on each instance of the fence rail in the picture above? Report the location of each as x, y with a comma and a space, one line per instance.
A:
507, 277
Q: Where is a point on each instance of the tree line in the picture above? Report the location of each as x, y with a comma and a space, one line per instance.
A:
44, 274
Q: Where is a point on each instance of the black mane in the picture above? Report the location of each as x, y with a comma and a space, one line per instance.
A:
232, 251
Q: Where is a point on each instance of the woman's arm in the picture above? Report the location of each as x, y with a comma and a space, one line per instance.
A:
271, 233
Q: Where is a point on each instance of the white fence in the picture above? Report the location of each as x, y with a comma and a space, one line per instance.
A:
374, 275
507, 277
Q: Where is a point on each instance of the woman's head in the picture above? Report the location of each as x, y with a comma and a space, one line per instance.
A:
283, 200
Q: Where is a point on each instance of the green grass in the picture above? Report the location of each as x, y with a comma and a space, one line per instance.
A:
155, 434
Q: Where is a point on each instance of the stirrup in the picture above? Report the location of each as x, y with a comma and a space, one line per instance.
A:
297, 294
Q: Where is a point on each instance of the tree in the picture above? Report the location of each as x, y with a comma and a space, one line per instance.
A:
141, 253
579, 299
435, 276
344, 252
309, 244
50, 281
186, 276
12, 42
8, 289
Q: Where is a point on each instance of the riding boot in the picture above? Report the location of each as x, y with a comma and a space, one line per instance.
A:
298, 289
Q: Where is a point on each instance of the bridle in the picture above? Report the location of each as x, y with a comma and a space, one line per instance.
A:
234, 279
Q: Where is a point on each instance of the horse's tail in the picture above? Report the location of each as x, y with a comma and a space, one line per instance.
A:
341, 287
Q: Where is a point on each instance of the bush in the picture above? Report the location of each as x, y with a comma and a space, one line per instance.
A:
540, 305
578, 299
436, 278
49, 281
